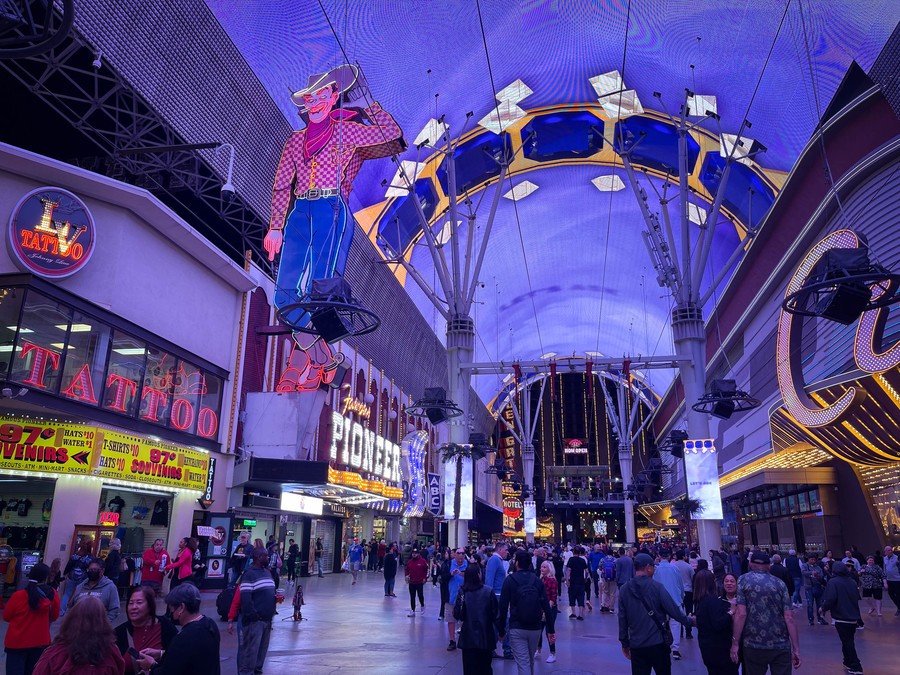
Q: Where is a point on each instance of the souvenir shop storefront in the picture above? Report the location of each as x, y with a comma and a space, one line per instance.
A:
78, 483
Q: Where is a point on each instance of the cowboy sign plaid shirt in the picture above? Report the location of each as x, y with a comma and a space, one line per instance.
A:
336, 163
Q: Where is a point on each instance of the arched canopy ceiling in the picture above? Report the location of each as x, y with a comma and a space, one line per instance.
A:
584, 272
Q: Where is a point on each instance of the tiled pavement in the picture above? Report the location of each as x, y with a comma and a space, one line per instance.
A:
355, 629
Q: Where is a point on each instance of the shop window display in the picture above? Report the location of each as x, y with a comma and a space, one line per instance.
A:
41, 342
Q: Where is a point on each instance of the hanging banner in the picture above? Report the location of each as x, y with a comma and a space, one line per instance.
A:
530, 517
434, 494
84, 450
466, 492
702, 472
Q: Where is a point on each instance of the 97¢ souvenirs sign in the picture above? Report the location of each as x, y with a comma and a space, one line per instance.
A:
84, 450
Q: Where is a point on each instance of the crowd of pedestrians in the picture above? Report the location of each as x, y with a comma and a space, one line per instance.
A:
498, 600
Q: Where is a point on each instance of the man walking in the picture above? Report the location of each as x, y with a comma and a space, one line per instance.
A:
257, 610
669, 576
841, 598
624, 567
780, 571
354, 559
455, 573
595, 560
687, 583
792, 565
892, 574
523, 596
319, 550
814, 585
610, 588
416, 574
764, 621
494, 576
644, 609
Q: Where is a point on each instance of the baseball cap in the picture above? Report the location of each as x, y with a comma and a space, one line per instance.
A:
182, 594
642, 560
759, 557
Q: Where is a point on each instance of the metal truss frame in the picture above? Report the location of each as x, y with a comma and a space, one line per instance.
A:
137, 145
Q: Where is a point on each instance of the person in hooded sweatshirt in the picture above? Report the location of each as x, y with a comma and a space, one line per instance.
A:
98, 586
841, 598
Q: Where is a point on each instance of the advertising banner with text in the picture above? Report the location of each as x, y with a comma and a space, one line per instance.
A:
85, 450
702, 470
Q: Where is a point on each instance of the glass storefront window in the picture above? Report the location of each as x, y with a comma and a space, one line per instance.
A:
85, 359
125, 373
804, 502
39, 356
48, 345
10, 305
159, 381
814, 503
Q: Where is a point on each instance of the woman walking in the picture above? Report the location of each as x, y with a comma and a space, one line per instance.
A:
29, 613
549, 580
143, 629
871, 577
76, 571
445, 581
86, 643
476, 607
714, 618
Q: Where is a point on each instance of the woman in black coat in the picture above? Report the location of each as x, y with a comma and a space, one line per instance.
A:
476, 607
714, 619
444, 578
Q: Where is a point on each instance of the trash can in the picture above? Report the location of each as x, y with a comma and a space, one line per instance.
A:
304, 568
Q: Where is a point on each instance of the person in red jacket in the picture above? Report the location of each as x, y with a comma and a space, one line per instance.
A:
85, 644
155, 559
416, 574
29, 613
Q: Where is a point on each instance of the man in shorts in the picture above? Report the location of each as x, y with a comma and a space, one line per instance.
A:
354, 559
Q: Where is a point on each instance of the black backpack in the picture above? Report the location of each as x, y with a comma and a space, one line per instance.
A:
526, 598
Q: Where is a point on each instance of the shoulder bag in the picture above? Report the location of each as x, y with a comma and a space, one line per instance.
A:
663, 626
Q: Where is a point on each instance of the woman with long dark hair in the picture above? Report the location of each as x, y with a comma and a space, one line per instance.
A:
85, 641
143, 629
181, 567
714, 618
445, 581
476, 607
29, 613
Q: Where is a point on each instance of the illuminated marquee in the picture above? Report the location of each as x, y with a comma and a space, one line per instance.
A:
355, 446
866, 347
51, 233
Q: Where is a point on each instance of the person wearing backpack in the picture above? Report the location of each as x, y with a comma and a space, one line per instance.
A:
76, 571
609, 588
523, 596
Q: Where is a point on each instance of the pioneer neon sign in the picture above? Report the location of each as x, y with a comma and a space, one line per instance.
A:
866, 346
355, 446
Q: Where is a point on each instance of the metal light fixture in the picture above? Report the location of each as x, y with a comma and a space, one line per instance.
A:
435, 406
724, 399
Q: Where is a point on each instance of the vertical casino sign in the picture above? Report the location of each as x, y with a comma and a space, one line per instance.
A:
51, 233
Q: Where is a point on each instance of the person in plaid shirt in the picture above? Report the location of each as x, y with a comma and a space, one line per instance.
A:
317, 168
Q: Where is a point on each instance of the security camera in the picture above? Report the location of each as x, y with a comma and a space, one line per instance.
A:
97, 63
228, 191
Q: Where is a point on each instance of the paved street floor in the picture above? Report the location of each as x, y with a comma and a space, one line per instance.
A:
355, 629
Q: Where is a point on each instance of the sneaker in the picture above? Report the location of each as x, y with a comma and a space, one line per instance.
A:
537, 655
590, 607
676, 656
551, 658
854, 672
580, 618
822, 622
496, 655
811, 623
413, 613
422, 610
571, 616
452, 646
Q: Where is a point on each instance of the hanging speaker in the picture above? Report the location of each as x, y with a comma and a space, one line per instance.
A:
331, 325
435, 415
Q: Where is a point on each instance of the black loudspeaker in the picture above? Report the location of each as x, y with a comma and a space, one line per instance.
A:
333, 287
723, 409
677, 439
435, 415
843, 303
723, 387
331, 325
